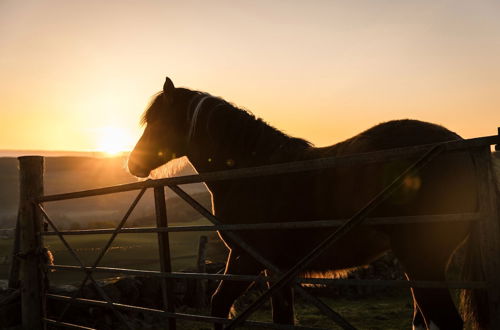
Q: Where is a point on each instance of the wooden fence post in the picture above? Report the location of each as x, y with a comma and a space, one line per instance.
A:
489, 231
30, 225
165, 259
201, 285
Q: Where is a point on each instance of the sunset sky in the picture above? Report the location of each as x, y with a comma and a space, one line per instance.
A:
76, 75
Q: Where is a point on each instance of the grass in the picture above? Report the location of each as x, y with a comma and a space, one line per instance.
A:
136, 251
391, 312
375, 313
140, 251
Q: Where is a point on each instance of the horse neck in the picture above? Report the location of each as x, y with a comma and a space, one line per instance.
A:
230, 138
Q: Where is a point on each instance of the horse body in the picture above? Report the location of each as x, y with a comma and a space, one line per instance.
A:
230, 138
339, 192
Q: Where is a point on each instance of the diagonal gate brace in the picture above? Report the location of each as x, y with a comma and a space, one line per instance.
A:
336, 317
353, 222
88, 273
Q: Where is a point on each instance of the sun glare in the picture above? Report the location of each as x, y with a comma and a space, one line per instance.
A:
112, 141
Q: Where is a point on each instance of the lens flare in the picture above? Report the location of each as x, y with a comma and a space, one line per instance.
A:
112, 141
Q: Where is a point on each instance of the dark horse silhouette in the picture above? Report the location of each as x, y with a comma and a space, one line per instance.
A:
215, 135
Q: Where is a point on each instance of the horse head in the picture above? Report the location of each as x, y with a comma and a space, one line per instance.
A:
164, 136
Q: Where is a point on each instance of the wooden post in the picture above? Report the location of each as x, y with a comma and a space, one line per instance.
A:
489, 231
497, 146
164, 249
201, 285
30, 225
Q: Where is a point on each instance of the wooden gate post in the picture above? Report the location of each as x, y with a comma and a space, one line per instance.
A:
165, 260
30, 225
489, 231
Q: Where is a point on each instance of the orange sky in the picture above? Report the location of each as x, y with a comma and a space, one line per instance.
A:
72, 73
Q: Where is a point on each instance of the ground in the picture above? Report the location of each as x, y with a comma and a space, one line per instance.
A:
392, 311
389, 312
136, 251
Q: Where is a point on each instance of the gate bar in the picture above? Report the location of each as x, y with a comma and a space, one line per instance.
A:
66, 325
458, 217
302, 280
282, 168
88, 274
182, 316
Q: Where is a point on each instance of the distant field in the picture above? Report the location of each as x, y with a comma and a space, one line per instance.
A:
136, 251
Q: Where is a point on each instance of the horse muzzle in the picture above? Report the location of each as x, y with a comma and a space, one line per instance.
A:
137, 170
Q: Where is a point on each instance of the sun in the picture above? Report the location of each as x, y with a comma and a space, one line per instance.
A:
112, 140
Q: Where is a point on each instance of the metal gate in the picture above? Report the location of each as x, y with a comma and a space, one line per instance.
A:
33, 216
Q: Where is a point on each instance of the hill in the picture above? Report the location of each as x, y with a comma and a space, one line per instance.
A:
65, 174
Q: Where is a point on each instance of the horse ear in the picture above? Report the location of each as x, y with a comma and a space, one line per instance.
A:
168, 90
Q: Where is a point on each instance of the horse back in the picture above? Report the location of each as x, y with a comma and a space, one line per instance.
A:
445, 185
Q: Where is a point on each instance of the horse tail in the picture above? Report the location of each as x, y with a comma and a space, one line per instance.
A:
474, 302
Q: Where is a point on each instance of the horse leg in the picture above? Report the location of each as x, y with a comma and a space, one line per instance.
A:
418, 319
435, 305
437, 308
227, 291
282, 304
418, 322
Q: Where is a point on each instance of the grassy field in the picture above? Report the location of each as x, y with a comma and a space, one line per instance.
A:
136, 251
376, 313
139, 251
391, 312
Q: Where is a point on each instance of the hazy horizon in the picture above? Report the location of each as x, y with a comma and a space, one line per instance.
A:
55, 153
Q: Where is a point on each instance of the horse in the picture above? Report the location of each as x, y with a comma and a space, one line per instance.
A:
215, 135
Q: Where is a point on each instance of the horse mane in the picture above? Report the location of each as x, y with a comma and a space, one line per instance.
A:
231, 123
152, 109
246, 132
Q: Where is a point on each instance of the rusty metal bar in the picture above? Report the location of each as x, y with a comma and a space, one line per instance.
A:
164, 251
66, 325
88, 274
82, 267
356, 219
459, 217
299, 280
182, 316
336, 317
290, 167
58, 233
